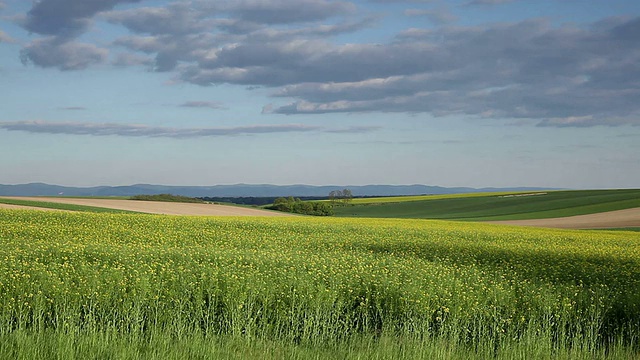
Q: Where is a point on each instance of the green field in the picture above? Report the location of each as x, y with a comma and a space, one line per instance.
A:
96, 286
398, 199
499, 206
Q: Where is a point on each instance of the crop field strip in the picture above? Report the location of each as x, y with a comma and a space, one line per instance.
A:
500, 206
627, 218
89, 285
398, 199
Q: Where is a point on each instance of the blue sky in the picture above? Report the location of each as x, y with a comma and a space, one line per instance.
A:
480, 93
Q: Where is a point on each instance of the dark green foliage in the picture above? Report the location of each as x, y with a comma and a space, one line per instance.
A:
297, 206
167, 198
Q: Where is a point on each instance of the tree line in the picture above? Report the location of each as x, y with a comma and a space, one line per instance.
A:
297, 206
317, 208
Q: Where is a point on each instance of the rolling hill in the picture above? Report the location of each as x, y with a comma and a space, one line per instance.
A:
237, 190
495, 206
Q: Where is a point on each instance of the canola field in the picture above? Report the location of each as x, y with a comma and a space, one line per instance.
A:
130, 286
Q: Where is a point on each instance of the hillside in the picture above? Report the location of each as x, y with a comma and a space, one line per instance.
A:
496, 206
237, 190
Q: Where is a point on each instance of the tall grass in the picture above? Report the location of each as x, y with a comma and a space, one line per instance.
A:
131, 286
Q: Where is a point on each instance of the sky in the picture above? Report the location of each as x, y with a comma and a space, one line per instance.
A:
477, 93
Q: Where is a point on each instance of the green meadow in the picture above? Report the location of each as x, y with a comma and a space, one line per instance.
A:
79, 285
494, 206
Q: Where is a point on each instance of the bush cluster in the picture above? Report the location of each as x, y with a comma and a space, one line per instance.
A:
295, 205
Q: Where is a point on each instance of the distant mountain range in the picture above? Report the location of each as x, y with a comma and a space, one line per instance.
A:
239, 190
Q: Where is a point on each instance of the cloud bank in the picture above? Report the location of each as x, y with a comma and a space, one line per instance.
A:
554, 75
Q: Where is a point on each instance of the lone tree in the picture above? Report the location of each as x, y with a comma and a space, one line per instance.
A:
347, 196
341, 196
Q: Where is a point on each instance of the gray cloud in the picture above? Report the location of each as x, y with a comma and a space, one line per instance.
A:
183, 31
559, 76
128, 130
549, 75
438, 16
354, 130
62, 21
237, 17
587, 121
128, 59
489, 2
628, 135
65, 18
5, 38
204, 104
403, 1
316, 31
168, 50
178, 18
288, 11
280, 63
193, 33
53, 52
106, 129
627, 31
73, 108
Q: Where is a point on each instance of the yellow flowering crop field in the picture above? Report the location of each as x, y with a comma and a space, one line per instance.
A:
85, 285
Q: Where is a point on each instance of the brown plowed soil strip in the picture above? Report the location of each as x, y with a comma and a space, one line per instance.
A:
158, 207
610, 219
